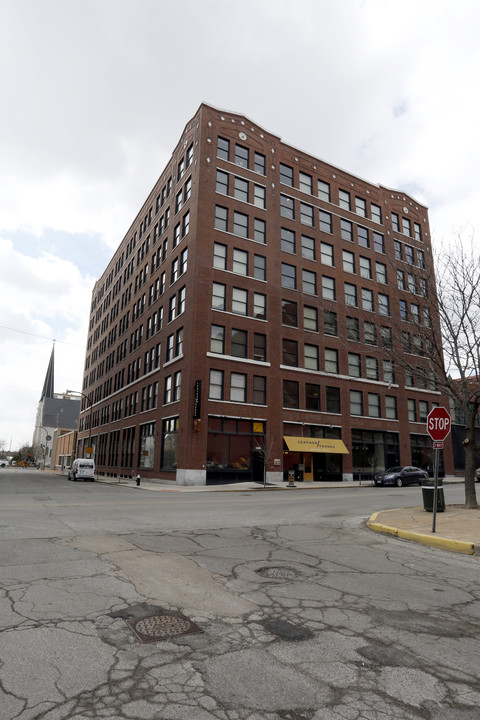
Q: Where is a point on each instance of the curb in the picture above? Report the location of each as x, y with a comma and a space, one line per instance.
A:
459, 546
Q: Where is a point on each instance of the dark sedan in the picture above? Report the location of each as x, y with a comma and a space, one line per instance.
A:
401, 475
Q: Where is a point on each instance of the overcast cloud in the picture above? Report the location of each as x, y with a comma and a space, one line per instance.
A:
95, 95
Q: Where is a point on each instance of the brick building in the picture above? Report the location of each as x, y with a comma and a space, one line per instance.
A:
263, 306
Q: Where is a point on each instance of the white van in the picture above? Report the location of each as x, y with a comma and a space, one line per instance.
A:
82, 469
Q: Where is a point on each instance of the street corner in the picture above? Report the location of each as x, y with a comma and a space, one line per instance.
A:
413, 524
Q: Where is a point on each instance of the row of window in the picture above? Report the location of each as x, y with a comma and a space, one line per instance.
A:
237, 387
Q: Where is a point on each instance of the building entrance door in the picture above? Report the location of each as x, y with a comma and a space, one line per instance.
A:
308, 467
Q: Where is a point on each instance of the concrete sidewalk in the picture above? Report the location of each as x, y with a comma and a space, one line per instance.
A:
456, 529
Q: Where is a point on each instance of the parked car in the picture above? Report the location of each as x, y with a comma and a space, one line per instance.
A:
82, 469
401, 475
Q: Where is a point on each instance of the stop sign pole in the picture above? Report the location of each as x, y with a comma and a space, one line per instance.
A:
438, 427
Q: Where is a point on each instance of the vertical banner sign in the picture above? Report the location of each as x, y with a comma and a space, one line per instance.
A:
197, 402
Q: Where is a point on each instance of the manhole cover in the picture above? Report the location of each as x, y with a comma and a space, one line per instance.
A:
278, 573
162, 627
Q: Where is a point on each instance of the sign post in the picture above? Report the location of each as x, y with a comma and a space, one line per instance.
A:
438, 427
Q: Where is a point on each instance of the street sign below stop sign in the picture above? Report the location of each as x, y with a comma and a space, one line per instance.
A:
438, 424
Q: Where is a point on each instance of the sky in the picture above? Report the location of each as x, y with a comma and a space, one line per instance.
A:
95, 95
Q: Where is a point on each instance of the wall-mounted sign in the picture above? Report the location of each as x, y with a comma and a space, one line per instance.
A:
197, 399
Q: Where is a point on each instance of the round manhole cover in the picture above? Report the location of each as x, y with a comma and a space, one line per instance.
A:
278, 573
161, 627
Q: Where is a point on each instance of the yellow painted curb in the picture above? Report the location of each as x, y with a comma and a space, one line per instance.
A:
460, 546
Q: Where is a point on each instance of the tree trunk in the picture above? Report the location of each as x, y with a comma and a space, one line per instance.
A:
470, 458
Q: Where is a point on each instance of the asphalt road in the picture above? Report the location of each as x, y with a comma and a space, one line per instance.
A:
304, 613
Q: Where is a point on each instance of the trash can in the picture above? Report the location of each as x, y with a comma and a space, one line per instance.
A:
428, 490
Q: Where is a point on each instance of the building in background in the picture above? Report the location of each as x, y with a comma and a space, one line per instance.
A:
265, 312
56, 414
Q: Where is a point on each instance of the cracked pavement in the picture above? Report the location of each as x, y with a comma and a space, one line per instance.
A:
314, 621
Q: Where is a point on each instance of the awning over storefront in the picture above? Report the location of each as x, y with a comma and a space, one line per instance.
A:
323, 445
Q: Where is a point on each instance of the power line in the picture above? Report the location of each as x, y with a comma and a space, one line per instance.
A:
43, 337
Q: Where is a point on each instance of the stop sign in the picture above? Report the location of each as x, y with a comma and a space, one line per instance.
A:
438, 424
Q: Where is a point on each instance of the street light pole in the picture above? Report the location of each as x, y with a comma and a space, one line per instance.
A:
78, 392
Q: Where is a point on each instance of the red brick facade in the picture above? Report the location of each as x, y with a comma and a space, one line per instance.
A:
260, 294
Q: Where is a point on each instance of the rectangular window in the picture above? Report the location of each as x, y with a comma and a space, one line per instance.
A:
400, 280
383, 304
354, 365
215, 388
241, 156
305, 182
381, 273
324, 191
259, 163
415, 313
395, 222
353, 329
350, 295
311, 357
217, 339
422, 410
378, 242
406, 227
259, 347
240, 224
308, 248
346, 230
239, 343
409, 256
287, 240
177, 385
290, 394
223, 149
356, 402
333, 399
363, 238
331, 360
348, 259
330, 323
221, 218
376, 213
397, 247
306, 214
391, 407
289, 313
412, 410
370, 333
421, 259
344, 199
240, 262
259, 267
373, 405
325, 222
259, 196
259, 306
417, 232
312, 397
388, 371
360, 207
310, 318
287, 209
218, 296
367, 299
220, 256
286, 174
328, 288
240, 189
326, 254
239, 301
365, 267
259, 390
289, 352
259, 230
309, 280
289, 276
371, 367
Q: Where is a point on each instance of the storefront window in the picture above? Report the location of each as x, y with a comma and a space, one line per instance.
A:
169, 443
147, 446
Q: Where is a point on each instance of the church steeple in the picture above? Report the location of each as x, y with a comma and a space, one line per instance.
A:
48, 386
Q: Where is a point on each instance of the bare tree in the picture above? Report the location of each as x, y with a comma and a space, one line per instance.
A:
458, 299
